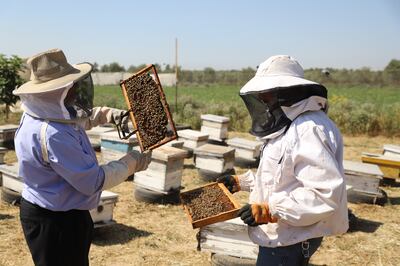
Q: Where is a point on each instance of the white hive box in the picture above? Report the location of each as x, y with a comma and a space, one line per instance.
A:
164, 173
95, 133
363, 178
2, 154
113, 148
7, 133
192, 138
391, 150
215, 126
214, 158
244, 148
228, 238
103, 214
10, 178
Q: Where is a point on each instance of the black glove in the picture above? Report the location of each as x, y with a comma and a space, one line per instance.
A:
120, 117
231, 182
256, 214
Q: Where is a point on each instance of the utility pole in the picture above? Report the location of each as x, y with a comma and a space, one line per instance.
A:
176, 74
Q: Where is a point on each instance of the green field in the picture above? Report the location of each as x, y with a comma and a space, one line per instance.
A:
356, 110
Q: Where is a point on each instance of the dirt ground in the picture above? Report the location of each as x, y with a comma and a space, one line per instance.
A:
154, 234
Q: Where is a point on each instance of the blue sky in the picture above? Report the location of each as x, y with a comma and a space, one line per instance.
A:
223, 34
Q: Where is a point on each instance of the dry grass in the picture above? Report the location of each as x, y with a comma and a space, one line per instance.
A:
152, 234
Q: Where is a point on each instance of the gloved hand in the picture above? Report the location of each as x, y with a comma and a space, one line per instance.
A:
256, 214
231, 182
116, 117
136, 161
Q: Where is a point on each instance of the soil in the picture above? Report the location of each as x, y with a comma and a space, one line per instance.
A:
147, 108
160, 234
206, 202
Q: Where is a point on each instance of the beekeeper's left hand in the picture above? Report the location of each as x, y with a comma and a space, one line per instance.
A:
256, 214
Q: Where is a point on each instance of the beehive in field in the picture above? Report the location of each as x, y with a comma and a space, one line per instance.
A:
164, 173
391, 150
192, 139
215, 126
103, 214
113, 148
10, 178
363, 179
228, 238
148, 109
214, 158
7, 133
209, 204
94, 135
246, 151
2, 154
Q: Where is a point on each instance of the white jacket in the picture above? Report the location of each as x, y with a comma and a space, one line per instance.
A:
301, 177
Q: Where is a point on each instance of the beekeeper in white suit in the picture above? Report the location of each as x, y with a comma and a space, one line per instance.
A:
62, 178
298, 194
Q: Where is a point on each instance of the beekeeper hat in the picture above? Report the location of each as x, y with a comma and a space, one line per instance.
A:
51, 71
279, 71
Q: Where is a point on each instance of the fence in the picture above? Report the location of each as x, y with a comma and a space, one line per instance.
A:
113, 78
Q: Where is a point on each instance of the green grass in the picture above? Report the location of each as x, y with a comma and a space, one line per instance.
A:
356, 110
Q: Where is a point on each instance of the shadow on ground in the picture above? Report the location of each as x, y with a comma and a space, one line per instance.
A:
117, 234
363, 225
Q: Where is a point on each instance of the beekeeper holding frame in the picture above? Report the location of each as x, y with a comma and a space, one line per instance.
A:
298, 194
62, 178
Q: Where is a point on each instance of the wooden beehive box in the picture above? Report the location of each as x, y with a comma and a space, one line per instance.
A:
391, 150
214, 158
103, 214
2, 154
113, 148
228, 238
192, 138
244, 148
362, 177
209, 204
215, 126
10, 178
165, 170
7, 133
389, 165
148, 109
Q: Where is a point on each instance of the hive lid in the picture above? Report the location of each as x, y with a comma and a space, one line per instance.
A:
244, 143
392, 148
215, 118
214, 150
10, 169
3, 150
113, 136
105, 194
165, 153
351, 167
8, 127
192, 134
99, 130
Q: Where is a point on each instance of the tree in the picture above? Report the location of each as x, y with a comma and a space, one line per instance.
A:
112, 67
392, 72
95, 67
9, 80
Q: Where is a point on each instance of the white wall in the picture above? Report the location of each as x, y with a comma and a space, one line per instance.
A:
113, 78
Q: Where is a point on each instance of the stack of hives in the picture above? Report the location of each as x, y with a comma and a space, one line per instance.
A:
362, 181
229, 238
7, 133
214, 160
163, 175
192, 139
215, 126
247, 152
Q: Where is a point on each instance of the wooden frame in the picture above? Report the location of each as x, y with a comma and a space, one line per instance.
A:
216, 218
144, 71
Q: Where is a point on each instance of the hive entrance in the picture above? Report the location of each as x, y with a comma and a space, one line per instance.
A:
149, 109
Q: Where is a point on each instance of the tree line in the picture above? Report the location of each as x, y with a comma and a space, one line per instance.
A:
390, 76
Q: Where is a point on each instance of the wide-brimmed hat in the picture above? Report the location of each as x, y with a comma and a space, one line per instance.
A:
279, 71
50, 71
